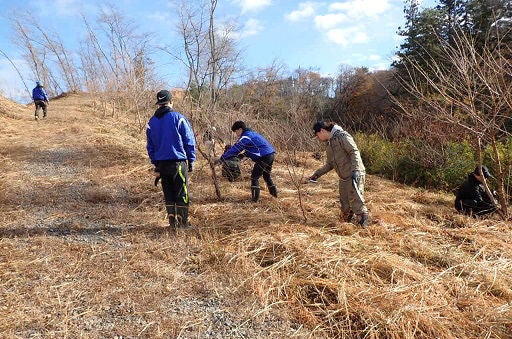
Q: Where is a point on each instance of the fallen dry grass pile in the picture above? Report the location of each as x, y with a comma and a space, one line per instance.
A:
85, 252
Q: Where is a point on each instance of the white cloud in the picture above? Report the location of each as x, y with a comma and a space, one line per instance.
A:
252, 5
374, 57
346, 36
336, 22
380, 66
328, 21
361, 8
251, 27
305, 10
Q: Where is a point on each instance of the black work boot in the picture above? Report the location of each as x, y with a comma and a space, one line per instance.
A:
273, 190
172, 222
364, 220
255, 193
171, 215
182, 216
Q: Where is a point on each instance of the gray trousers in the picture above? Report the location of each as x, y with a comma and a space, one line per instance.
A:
350, 200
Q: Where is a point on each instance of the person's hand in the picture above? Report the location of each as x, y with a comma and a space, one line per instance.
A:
356, 175
190, 167
156, 174
312, 178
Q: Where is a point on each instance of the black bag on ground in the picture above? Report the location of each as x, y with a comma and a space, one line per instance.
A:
231, 169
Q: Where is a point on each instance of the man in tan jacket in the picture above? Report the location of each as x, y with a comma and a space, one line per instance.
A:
344, 157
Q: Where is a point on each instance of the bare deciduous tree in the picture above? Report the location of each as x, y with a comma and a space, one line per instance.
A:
475, 94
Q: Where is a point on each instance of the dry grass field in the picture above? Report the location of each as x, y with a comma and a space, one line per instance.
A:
85, 252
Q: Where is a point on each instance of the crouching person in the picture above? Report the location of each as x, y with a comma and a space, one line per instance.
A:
171, 149
259, 150
471, 197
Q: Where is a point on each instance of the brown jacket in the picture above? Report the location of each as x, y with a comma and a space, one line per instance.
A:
342, 155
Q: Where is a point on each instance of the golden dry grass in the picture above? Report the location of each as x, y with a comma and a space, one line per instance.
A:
85, 252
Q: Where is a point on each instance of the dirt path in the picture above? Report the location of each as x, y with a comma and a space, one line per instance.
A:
53, 163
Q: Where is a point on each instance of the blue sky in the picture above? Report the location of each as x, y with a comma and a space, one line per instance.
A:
323, 35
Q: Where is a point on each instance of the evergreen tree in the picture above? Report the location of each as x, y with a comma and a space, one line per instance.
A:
491, 21
421, 37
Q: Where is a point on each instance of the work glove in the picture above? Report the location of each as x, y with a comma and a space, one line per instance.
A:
190, 167
495, 198
356, 175
313, 178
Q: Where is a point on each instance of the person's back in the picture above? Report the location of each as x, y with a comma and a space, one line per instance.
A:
38, 93
253, 143
167, 129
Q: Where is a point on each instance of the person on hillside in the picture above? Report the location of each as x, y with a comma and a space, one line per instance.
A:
471, 197
344, 157
259, 150
41, 99
231, 166
171, 149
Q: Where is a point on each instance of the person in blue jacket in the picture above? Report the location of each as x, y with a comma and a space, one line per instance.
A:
41, 99
171, 149
259, 150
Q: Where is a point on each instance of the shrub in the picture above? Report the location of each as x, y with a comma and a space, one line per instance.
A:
416, 163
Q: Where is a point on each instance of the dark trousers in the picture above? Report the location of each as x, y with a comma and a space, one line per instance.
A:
174, 176
473, 207
40, 104
262, 167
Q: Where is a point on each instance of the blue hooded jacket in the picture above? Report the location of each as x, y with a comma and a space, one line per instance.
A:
254, 145
170, 137
38, 93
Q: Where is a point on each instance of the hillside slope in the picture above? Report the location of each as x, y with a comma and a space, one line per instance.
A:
85, 251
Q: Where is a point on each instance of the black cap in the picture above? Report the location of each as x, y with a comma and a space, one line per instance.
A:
485, 172
163, 97
238, 124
